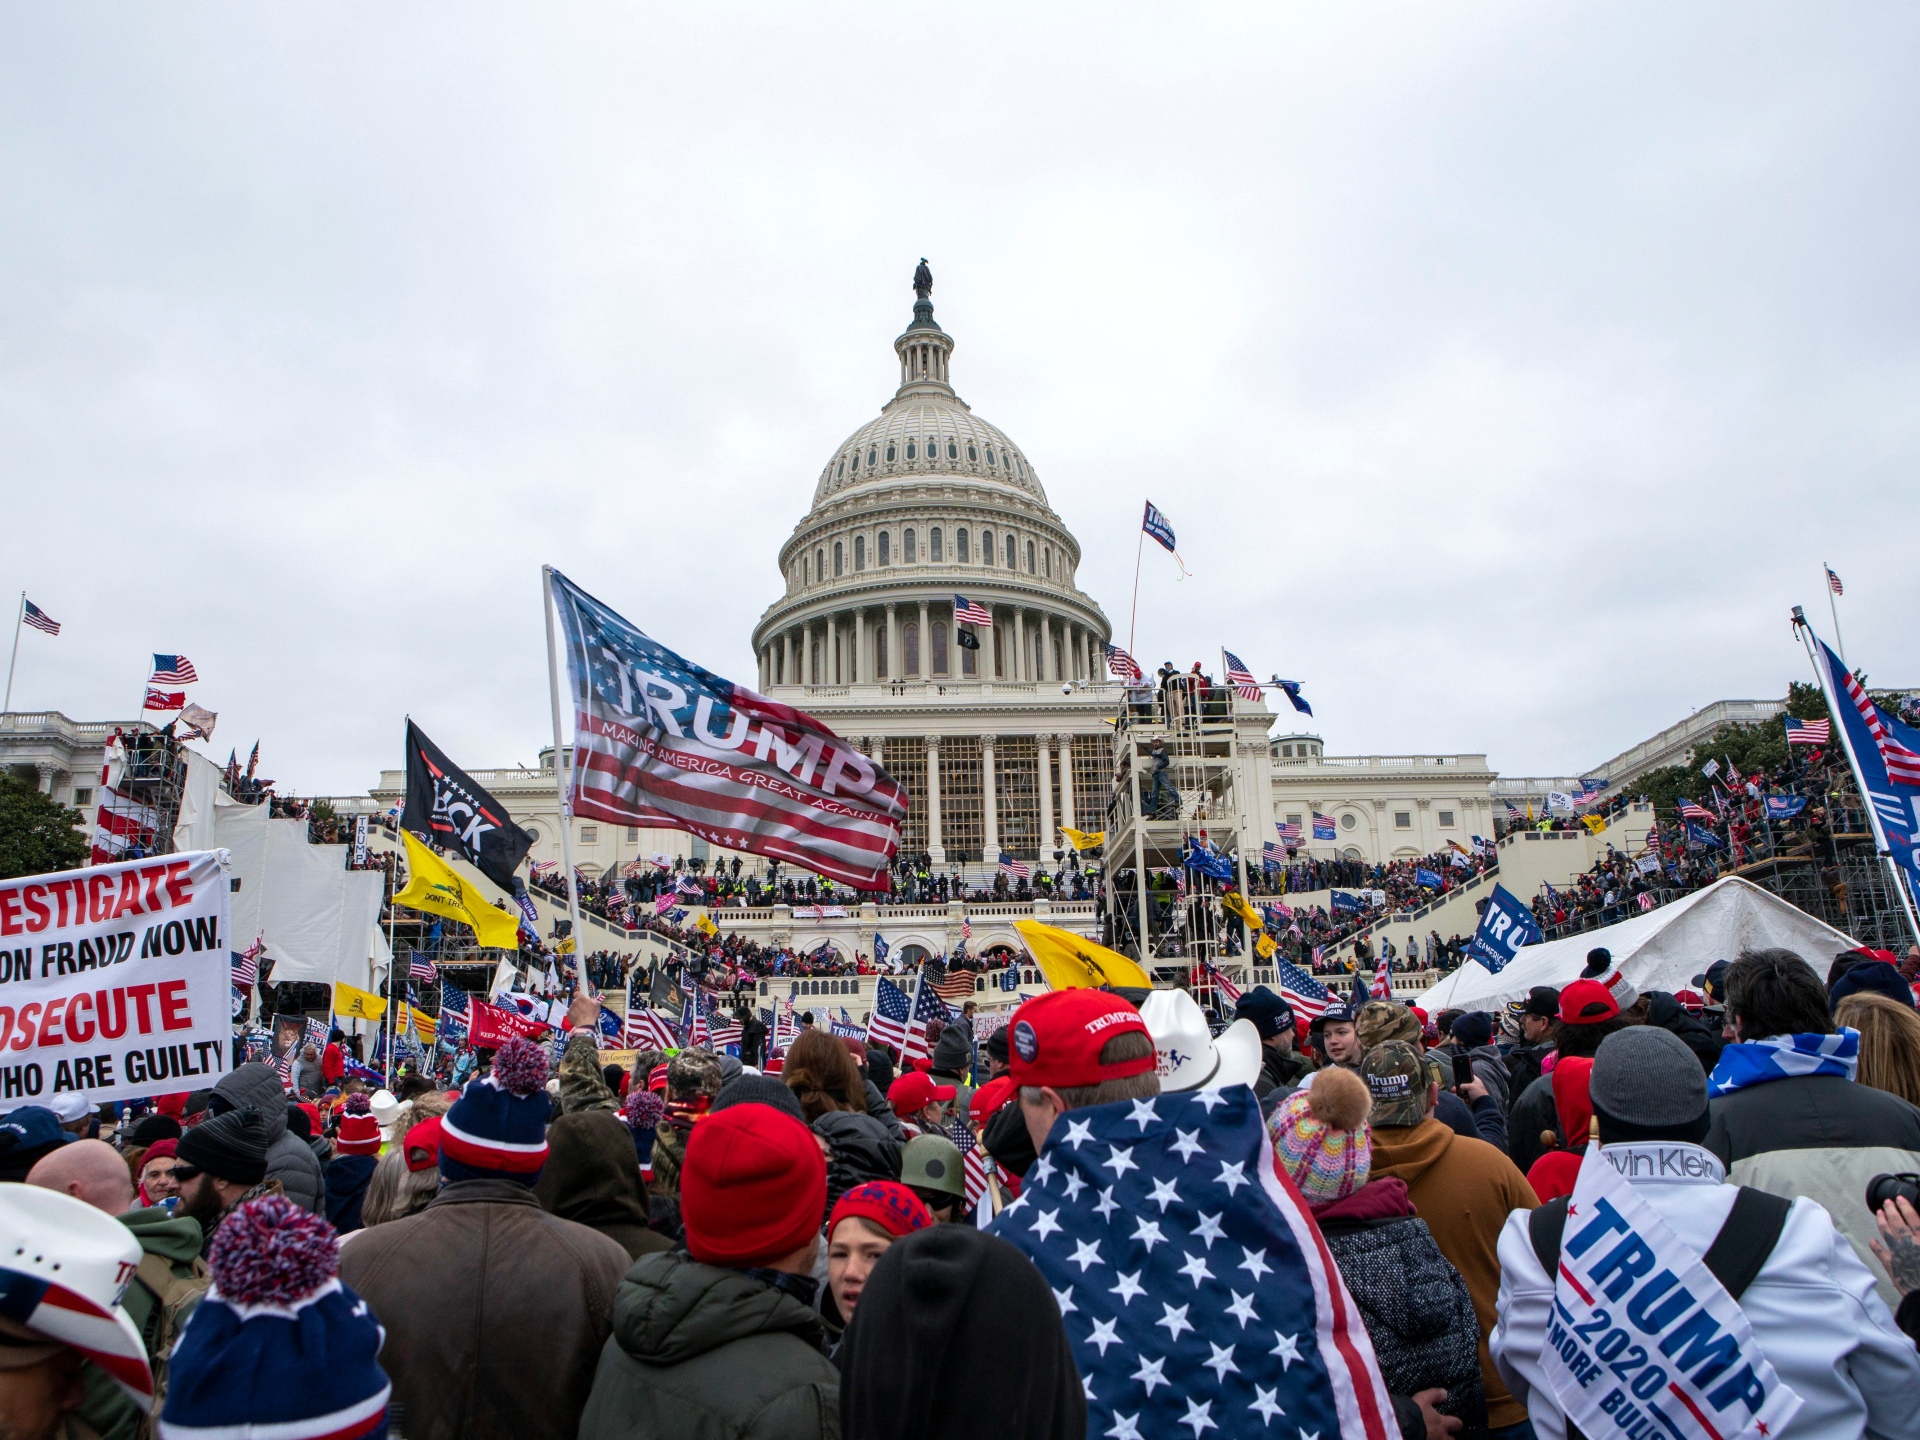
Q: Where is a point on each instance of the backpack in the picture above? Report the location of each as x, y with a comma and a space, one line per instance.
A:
174, 1299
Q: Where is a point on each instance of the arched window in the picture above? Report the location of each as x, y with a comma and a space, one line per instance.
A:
969, 661
871, 457
806, 571
889, 452
838, 561
820, 563
813, 675
842, 469
910, 644
939, 647
960, 546
1030, 557
886, 547
910, 449
1011, 563
989, 454
1046, 555
859, 552
973, 455
935, 553
880, 652
856, 462
953, 450
907, 552
986, 547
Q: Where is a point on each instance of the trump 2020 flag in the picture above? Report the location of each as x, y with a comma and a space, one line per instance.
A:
1505, 926
1196, 1290
660, 741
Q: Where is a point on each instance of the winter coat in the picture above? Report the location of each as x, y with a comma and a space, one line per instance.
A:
1415, 1305
710, 1354
862, 1149
160, 1299
1812, 1307
1490, 1069
1464, 1189
1823, 1137
592, 1178
1532, 1113
1698, 1036
1523, 1068
347, 1177
495, 1312
256, 1086
309, 1078
1280, 1072
881, 1109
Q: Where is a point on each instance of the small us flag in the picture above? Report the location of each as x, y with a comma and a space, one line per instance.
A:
422, 969
965, 612
173, 670
38, 618
972, 1159
1273, 854
928, 1008
1018, 869
888, 1023
1226, 987
648, 1029
1289, 831
246, 966
1809, 732
1123, 665
1833, 581
1241, 678
1306, 994
453, 1010
1691, 811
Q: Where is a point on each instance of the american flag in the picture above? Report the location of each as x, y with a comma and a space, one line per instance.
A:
966, 928
1272, 853
422, 969
647, 1029
1306, 994
1691, 811
928, 1008
1017, 869
1322, 826
693, 1020
1513, 811
1141, 1201
453, 1011
1809, 732
541, 869
246, 966
1228, 990
1241, 678
972, 1158
1833, 581
1289, 831
173, 670
952, 984
723, 1026
38, 618
687, 885
1903, 764
1382, 978
1123, 665
966, 612
891, 1009
723, 763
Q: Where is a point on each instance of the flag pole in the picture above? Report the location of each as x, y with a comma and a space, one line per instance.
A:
1133, 611
19, 616
561, 788
1833, 609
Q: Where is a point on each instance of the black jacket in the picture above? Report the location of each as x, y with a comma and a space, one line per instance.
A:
1280, 1072
1700, 1037
862, 1149
1523, 1068
1531, 1114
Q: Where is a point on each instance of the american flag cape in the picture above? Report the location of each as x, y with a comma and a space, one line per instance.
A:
659, 741
1146, 1218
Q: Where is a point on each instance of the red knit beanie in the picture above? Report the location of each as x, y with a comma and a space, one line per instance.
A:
753, 1187
359, 1132
887, 1203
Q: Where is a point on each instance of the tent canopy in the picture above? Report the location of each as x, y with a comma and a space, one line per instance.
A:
1662, 949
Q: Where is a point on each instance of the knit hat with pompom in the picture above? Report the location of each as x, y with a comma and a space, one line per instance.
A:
279, 1346
1321, 1135
497, 1129
359, 1132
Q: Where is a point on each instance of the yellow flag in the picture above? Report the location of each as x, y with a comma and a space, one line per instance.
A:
1084, 839
1234, 902
351, 1002
1594, 823
424, 1025
1070, 963
704, 924
1264, 947
432, 886
565, 947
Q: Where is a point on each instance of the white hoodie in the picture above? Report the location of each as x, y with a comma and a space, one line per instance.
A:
1813, 1309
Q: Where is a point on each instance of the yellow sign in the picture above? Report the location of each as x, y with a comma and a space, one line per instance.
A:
1236, 903
1071, 963
1084, 839
352, 1003
434, 887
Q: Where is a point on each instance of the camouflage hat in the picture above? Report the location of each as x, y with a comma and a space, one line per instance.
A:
1397, 1076
932, 1162
1382, 1020
692, 1073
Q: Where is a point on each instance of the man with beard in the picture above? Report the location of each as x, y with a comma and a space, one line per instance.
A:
219, 1163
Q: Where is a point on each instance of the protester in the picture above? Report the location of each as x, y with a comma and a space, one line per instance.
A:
467, 1284
1465, 1109
1787, 1115
219, 1163
27, 1135
692, 1080
1058, 1067
1187, 1056
349, 1172
950, 1311
1588, 1014
88, 1170
406, 1180
1526, 1060
1811, 1303
1336, 1036
1416, 1306
722, 1338
1889, 1043
867, 1219
280, 1347
1897, 1248
592, 1177
919, 1103
1280, 1067
63, 1265
156, 1185
1463, 1188
934, 1170
1870, 977
1472, 1034
1666, 1011
309, 1077
256, 1086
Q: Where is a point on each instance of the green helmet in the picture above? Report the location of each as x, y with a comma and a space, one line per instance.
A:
932, 1162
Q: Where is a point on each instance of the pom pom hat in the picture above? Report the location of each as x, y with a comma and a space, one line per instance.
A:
1057, 1039
497, 1129
63, 1269
1320, 1135
279, 1349
753, 1187
359, 1132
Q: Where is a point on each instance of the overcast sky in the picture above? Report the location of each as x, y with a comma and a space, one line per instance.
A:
1507, 370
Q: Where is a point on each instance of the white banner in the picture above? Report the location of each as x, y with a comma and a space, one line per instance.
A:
115, 981
1642, 1339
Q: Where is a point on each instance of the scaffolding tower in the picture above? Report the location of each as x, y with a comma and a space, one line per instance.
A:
139, 808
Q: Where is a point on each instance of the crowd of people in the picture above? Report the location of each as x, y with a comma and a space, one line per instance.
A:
840, 1243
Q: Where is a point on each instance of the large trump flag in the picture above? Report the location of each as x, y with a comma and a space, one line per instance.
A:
660, 741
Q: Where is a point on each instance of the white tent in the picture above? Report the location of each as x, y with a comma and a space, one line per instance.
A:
1662, 949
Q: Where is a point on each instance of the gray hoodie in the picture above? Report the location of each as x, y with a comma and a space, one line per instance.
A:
256, 1086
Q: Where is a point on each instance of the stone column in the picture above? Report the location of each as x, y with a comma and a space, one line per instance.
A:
1049, 672
1048, 837
934, 848
1020, 645
926, 646
1068, 812
807, 676
830, 655
894, 652
45, 772
990, 811
860, 670
786, 657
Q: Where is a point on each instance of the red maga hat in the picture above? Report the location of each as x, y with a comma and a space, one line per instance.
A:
1057, 1039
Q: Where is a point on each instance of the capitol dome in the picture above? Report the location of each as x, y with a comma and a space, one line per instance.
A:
924, 503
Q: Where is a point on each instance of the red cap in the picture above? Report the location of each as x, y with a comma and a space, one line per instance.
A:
990, 1097
887, 1203
1587, 1002
1690, 1000
423, 1145
1057, 1039
914, 1091
657, 1077
753, 1186
858, 1048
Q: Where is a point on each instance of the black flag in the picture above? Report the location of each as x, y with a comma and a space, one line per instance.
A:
968, 640
445, 806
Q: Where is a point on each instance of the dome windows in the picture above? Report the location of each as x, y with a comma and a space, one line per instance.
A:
934, 552
871, 453
960, 546
1011, 563
855, 468
907, 552
1046, 561
890, 452
841, 470
989, 455
1030, 557
910, 450
933, 447
820, 563
886, 548
953, 450
986, 547
837, 557
973, 455
859, 552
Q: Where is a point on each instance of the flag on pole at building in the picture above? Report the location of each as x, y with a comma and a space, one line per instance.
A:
1241, 678
1323, 826
422, 969
966, 612
1808, 732
196, 723
1901, 760
449, 808
880, 948
1156, 525
1084, 839
1882, 750
1291, 689
1123, 666
175, 670
38, 618
647, 1029
351, 1002
164, 699
1014, 869
1289, 830
1272, 853
659, 741
1833, 581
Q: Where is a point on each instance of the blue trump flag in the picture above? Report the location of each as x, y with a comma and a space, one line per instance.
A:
880, 948
1155, 524
1147, 1218
1886, 761
1423, 876
1291, 688
1505, 926
1196, 856
1698, 838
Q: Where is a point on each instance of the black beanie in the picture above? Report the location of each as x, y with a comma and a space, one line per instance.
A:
230, 1147
758, 1090
150, 1129
299, 1123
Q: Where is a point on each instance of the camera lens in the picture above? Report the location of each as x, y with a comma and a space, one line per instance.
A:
1882, 1188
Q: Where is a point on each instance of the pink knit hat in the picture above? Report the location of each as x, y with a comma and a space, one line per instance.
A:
1320, 1135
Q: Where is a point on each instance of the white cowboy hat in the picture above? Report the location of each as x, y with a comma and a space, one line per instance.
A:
1189, 1057
66, 1266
